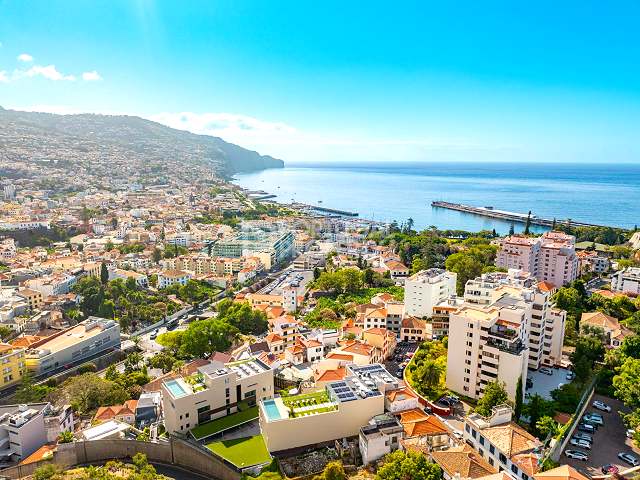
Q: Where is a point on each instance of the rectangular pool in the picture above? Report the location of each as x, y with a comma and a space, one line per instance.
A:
272, 410
175, 388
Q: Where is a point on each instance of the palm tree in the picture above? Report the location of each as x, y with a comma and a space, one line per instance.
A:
430, 374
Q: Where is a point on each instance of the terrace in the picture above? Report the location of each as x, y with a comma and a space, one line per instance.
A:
309, 404
196, 382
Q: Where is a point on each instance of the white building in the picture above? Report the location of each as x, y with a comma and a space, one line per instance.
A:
290, 298
172, 277
54, 284
507, 446
427, 288
626, 280
214, 391
22, 430
379, 437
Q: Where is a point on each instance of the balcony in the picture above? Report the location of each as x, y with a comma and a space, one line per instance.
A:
501, 331
513, 348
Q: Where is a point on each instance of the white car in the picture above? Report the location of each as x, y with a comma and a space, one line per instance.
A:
546, 371
601, 406
630, 459
577, 454
578, 442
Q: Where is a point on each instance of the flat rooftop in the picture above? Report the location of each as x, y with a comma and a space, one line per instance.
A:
88, 329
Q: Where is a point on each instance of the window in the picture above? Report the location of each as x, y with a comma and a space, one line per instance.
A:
474, 433
481, 440
514, 469
503, 459
492, 449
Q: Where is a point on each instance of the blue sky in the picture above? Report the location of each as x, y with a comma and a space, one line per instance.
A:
343, 81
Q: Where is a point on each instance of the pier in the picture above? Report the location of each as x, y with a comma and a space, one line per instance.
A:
491, 212
334, 211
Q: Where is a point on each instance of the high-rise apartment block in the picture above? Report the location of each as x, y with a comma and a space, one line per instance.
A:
426, 289
550, 258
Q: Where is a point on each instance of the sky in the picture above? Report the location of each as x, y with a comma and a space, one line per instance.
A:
337, 81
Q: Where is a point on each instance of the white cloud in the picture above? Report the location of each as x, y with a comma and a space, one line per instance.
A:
25, 57
50, 72
3, 77
91, 76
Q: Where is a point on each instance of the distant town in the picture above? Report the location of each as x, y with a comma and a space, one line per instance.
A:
208, 328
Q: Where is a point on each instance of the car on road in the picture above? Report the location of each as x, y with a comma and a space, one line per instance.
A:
592, 417
628, 458
583, 436
609, 468
546, 371
578, 442
577, 454
601, 406
154, 335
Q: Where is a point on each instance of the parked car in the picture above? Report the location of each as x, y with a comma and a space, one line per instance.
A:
601, 406
609, 468
154, 335
593, 418
570, 376
630, 459
630, 433
529, 383
399, 373
546, 371
587, 427
578, 442
577, 454
583, 436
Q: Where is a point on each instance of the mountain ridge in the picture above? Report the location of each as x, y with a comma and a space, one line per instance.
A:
68, 137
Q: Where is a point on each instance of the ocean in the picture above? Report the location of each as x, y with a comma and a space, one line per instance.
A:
601, 194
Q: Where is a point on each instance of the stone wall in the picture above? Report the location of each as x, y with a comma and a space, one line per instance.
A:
175, 452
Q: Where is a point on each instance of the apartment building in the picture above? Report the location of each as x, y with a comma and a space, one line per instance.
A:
546, 324
22, 430
335, 412
141, 279
503, 443
34, 298
626, 280
54, 284
173, 277
12, 363
214, 391
426, 289
272, 247
550, 258
73, 345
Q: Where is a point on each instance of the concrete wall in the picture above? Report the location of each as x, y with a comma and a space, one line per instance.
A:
176, 452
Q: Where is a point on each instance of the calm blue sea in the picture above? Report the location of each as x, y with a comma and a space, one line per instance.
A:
603, 194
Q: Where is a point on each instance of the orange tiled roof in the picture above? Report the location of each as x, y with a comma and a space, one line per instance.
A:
463, 460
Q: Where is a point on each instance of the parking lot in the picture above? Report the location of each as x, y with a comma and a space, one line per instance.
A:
608, 441
402, 349
543, 383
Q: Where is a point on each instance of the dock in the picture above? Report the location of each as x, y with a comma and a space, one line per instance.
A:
334, 211
491, 212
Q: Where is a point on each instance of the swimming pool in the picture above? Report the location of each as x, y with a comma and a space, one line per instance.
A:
175, 388
272, 410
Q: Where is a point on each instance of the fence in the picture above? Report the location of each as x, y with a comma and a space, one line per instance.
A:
561, 443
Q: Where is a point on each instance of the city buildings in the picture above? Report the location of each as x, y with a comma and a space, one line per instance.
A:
505, 326
426, 289
73, 345
504, 444
626, 280
22, 430
614, 332
213, 391
173, 277
551, 257
271, 247
12, 363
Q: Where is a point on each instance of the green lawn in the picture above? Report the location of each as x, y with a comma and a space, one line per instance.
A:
219, 425
242, 452
304, 399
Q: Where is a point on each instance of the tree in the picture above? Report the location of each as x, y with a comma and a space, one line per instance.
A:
87, 392
205, 337
429, 373
5, 333
546, 425
334, 471
627, 383
401, 465
28, 391
518, 404
527, 225
156, 256
47, 472
494, 395
242, 317
104, 273
465, 266
631, 346
316, 273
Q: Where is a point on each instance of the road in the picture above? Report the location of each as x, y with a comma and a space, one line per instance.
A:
400, 355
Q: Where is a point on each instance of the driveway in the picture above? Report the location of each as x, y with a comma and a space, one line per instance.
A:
543, 384
608, 441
